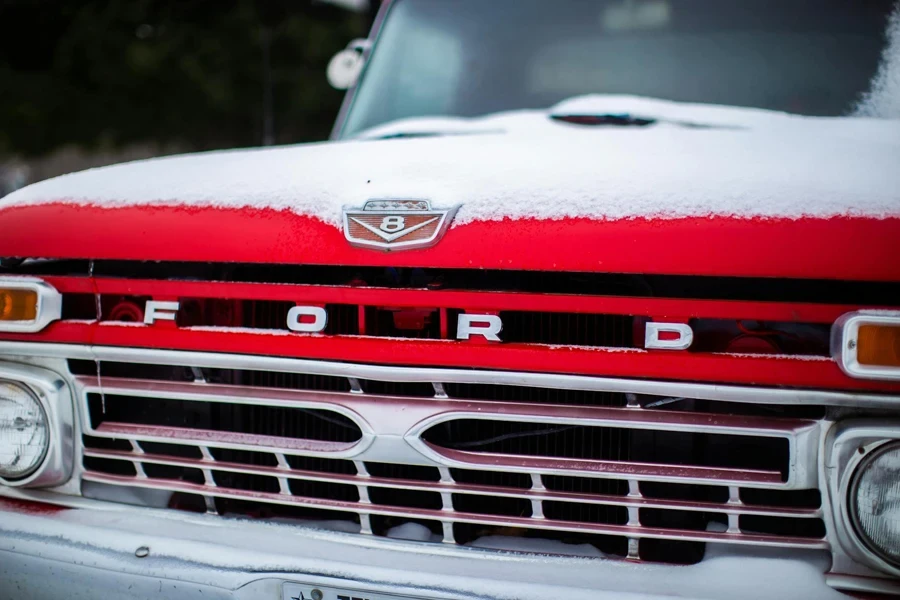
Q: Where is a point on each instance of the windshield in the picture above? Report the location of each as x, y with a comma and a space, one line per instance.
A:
474, 57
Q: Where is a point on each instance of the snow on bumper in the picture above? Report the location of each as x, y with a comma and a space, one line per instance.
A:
74, 553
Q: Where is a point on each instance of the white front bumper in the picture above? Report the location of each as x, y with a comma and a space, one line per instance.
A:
91, 553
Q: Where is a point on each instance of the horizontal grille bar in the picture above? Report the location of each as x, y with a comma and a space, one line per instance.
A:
402, 424
622, 469
634, 532
455, 487
220, 439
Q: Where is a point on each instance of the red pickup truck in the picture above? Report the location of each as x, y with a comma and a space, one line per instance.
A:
583, 300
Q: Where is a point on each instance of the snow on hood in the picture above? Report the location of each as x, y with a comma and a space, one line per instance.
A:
726, 162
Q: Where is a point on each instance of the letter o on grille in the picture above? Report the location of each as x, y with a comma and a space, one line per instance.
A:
317, 325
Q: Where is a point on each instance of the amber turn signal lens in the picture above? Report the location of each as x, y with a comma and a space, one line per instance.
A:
18, 305
878, 345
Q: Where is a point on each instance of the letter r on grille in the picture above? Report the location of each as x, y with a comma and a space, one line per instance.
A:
488, 326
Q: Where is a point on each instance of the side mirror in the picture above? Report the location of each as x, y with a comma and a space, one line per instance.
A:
345, 66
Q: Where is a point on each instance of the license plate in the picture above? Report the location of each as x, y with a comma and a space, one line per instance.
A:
300, 591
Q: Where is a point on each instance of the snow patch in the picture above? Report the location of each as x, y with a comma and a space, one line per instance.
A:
761, 165
413, 532
883, 100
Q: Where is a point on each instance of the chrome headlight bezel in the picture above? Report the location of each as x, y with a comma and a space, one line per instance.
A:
53, 395
852, 499
853, 443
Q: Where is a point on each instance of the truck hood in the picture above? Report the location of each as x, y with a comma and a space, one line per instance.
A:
704, 192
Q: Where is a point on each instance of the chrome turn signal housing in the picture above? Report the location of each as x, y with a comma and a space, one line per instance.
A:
866, 344
28, 304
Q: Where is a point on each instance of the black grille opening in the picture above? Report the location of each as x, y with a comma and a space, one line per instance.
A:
187, 502
383, 524
109, 466
607, 284
273, 379
79, 306
585, 513
531, 439
311, 424
786, 498
343, 319
323, 489
468, 533
321, 465
82, 367
267, 379
154, 471
492, 478
176, 450
585, 485
711, 450
781, 411
671, 551
142, 371
514, 393
261, 510
683, 491
411, 472
98, 443
424, 323
409, 389
679, 519
244, 481
246, 457
492, 505
264, 314
405, 498
806, 528
763, 337
571, 329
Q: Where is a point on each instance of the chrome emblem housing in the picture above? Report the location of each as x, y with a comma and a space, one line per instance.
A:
396, 224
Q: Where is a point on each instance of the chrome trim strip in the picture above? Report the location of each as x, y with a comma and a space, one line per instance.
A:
845, 343
460, 517
223, 439
49, 303
453, 487
721, 393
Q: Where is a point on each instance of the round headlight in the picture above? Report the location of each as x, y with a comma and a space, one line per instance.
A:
24, 432
875, 502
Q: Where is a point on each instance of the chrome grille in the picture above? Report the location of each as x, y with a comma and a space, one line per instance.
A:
634, 473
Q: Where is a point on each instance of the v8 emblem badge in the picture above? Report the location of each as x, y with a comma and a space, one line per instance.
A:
396, 224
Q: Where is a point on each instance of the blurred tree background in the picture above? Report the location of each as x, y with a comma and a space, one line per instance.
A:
126, 78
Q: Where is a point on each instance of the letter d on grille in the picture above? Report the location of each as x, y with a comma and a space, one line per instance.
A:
668, 336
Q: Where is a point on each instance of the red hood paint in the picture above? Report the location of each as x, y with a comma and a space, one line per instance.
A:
848, 248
